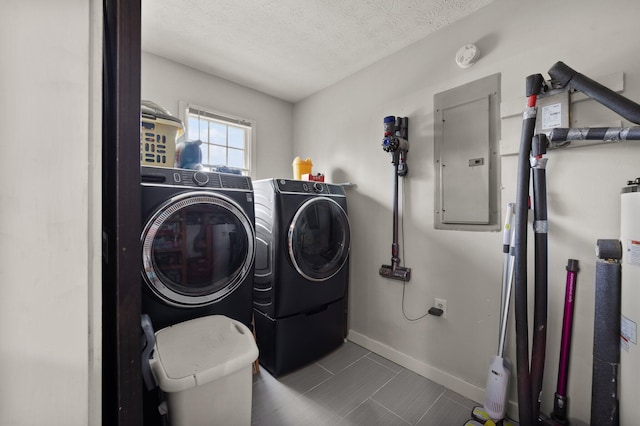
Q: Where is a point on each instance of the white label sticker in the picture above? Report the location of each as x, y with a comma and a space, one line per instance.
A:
551, 116
628, 330
634, 252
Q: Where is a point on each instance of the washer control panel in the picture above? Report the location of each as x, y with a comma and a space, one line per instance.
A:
200, 178
193, 178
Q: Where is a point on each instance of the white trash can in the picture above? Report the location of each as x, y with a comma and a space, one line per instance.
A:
204, 368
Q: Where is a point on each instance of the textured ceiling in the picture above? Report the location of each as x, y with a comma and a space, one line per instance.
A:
290, 48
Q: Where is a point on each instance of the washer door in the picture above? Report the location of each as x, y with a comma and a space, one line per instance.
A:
319, 239
197, 248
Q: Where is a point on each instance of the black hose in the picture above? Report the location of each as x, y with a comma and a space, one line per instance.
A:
539, 345
525, 408
566, 76
520, 277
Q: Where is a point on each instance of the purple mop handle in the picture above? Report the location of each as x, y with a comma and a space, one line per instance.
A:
567, 325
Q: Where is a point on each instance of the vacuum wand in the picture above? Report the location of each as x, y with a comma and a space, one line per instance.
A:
560, 399
396, 130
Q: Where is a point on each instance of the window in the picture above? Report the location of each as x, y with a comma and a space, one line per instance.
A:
226, 140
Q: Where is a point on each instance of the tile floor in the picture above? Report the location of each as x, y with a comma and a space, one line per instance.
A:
353, 386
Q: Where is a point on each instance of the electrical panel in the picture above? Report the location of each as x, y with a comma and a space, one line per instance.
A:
466, 134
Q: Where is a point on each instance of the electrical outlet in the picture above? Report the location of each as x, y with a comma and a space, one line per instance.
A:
441, 304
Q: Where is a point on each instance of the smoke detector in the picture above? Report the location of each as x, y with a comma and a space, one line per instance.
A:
467, 55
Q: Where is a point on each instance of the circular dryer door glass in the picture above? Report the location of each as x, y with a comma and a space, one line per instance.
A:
197, 248
319, 239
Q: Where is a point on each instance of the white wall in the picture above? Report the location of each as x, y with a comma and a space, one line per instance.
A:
340, 128
167, 83
50, 338
50, 262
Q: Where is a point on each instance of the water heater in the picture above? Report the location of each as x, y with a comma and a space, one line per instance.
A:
630, 308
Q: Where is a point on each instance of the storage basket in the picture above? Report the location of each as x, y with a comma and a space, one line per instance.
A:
158, 133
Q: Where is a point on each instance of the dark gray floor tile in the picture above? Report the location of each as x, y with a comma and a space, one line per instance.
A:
461, 399
268, 396
409, 395
300, 411
370, 413
389, 364
342, 357
445, 412
305, 378
367, 390
351, 386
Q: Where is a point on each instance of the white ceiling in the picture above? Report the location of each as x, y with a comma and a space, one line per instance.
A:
290, 48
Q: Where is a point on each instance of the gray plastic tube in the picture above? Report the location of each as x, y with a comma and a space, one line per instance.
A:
606, 337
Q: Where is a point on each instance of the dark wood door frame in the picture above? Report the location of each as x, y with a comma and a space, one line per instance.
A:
121, 378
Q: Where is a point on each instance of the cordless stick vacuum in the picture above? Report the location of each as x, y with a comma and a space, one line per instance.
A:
396, 135
560, 400
495, 402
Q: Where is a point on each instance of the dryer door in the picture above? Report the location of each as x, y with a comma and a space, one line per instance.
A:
197, 248
319, 239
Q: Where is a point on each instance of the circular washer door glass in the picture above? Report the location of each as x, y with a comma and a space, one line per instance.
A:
197, 248
319, 239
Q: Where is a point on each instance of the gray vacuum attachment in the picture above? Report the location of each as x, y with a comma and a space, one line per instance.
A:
395, 272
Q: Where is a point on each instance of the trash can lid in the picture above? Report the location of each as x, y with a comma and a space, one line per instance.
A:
196, 352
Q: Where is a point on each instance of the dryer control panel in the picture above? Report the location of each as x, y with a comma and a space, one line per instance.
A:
308, 187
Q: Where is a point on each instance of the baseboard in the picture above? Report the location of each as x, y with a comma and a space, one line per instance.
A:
443, 378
